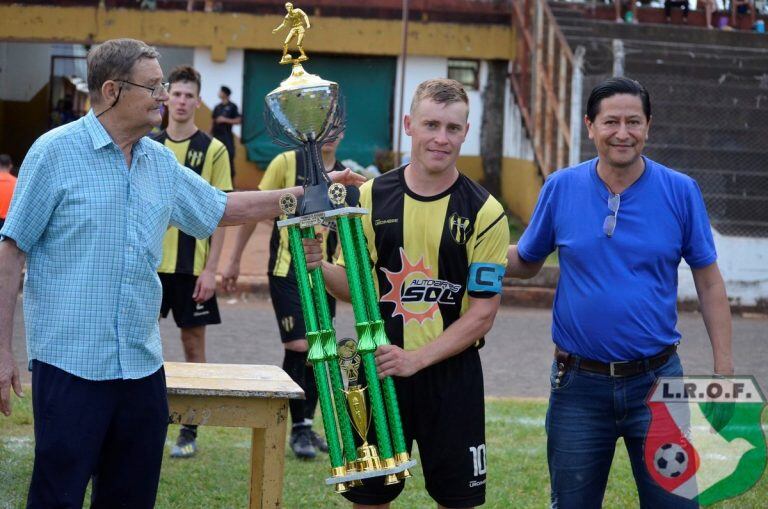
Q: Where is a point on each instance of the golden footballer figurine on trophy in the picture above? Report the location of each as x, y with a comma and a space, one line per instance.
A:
296, 19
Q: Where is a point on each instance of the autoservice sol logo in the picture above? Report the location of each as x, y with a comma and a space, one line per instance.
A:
705, 441
416, 293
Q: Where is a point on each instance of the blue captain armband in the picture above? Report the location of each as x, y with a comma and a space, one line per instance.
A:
485, 277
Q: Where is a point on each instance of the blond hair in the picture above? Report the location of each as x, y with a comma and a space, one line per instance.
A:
440, 90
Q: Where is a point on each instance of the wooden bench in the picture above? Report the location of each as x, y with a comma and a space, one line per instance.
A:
243, 396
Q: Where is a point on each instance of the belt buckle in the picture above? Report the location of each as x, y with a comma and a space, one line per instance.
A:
612, 366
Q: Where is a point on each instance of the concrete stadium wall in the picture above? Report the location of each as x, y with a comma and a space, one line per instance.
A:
744, 265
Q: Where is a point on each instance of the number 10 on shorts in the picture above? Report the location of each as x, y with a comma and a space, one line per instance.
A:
478, 459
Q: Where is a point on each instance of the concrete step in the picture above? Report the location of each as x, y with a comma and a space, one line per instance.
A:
673, 34
733, 186
684, 157
704, 136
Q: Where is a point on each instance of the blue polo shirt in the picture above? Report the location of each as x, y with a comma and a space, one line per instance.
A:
617, 296
92, 230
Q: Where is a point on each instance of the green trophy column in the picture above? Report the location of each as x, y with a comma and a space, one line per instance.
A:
316, 354
366, 346
379, 336
331, 357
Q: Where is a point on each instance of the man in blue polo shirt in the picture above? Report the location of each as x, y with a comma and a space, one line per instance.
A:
92, 204
621, 224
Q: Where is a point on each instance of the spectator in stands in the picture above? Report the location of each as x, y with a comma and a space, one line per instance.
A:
710, 6
743, 7
7, 185
631, 8
683, 4
208, 5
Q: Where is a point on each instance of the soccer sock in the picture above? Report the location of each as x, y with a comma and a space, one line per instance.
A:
294, 363
310, 404
192, 428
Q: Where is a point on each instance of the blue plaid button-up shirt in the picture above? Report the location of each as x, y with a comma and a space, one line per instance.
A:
92, 230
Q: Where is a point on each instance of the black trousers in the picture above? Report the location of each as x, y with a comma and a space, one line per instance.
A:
112, 431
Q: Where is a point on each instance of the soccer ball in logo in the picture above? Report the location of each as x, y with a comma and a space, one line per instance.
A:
670, 460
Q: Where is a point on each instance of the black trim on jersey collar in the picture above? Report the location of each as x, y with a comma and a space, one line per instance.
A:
415, 196
168, 136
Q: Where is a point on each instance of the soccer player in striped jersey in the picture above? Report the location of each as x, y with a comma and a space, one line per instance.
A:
438, 243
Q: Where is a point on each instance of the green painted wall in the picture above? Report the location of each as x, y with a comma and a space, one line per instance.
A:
367, 84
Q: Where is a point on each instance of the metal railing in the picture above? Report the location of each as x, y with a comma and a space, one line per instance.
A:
546, 80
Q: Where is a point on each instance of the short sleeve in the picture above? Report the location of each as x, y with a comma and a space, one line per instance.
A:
274, 177
34, 200
221, 176
198, 206
235, 111
489, 256
698, 245
538, 239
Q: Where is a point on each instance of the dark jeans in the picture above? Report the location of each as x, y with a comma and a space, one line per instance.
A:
113, 431
668, 4
587, 414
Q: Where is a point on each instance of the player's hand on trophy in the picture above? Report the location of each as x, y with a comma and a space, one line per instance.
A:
392, 360
313, 251
347, 177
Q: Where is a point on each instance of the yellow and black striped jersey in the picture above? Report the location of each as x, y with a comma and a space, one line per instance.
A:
206, 156
430, 254
282, 173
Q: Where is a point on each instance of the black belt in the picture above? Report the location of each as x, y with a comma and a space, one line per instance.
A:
617, 369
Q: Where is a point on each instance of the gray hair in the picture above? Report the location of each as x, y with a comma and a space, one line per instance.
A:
113, 60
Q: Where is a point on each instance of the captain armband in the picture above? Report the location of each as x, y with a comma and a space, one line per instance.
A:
485, 277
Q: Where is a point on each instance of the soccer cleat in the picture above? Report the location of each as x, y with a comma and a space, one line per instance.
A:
186, 446
318, 441
301, 443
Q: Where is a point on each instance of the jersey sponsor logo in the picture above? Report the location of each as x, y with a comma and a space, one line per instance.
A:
460, 227
380, 222
194, 158
287, 323
415, 292
485, 277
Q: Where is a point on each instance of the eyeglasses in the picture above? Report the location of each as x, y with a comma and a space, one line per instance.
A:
157, 90
609, 225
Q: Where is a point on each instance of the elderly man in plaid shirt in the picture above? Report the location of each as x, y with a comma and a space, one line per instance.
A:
93, 201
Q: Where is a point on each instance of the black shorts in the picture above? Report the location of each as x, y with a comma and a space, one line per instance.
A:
287, 305
177, 297
443, 410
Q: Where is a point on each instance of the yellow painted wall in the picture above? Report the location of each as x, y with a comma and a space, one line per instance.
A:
220, 31
520, 186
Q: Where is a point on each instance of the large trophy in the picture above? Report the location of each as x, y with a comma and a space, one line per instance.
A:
303, 113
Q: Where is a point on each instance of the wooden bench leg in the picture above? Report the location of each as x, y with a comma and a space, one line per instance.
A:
267, 464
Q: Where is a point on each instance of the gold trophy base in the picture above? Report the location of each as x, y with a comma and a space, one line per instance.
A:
354, 477
389, 463
402, 458
340, 485
368, 458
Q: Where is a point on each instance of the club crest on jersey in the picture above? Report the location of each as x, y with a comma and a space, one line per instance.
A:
460, 227
194, 158
287, 322
415, 292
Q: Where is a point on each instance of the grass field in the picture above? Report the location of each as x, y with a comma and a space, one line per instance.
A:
217, 477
